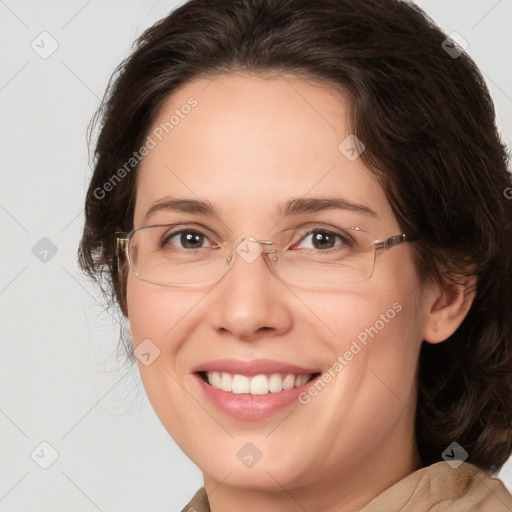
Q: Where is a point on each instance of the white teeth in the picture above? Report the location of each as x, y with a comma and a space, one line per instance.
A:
289, 382
240, 384
275, 383
215, 379
226, 381
257, 385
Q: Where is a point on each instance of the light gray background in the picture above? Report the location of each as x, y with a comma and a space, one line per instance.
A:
61, 381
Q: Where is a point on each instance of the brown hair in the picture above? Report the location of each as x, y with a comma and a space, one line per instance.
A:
428, 123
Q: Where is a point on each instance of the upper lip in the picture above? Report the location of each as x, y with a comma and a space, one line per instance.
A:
251, 368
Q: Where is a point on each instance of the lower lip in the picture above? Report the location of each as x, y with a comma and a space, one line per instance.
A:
252, 407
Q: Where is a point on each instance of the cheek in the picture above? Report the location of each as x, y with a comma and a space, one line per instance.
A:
158, 323
157, 317
145, 312
375, 333
376, 342
362, 318
156, 311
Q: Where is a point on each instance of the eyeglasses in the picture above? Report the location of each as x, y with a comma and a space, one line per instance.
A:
176, 255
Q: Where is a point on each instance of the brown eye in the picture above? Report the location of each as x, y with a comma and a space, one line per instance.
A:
185, 239
321, 240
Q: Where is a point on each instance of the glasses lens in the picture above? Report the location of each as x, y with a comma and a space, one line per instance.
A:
186, 256
166, 255
350, 259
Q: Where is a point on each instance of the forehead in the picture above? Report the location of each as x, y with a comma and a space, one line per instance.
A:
247, 143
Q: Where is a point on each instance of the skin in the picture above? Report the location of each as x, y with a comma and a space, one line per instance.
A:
251, 143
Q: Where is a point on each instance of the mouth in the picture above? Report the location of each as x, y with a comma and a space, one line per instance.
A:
253, 390
260, 384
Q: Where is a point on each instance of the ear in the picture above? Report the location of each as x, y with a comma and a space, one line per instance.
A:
446, 306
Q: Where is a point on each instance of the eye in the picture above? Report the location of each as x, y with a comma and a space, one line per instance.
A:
186, 239
323, 239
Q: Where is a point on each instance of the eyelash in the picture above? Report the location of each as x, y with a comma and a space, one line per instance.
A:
345, 239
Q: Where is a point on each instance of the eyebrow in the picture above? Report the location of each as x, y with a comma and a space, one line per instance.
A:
316, 204
291, 207
183, 205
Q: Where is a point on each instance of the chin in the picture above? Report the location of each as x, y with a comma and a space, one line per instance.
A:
265, 468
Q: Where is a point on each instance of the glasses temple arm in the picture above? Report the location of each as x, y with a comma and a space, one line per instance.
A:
394, 240
121, 247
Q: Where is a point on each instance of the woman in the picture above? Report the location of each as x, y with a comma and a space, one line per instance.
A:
301, 209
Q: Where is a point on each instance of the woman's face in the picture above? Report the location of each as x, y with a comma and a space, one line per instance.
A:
249, 146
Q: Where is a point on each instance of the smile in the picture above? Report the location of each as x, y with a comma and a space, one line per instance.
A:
255, 385
252, 390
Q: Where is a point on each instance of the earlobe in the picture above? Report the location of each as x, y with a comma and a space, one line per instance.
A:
446, 308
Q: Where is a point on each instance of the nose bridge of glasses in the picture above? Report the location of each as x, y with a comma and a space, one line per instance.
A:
249, 249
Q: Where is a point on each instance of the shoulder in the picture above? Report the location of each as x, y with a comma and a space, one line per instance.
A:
436, 488
199, 503
440, 487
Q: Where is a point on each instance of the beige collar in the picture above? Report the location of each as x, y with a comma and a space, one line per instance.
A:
435, 488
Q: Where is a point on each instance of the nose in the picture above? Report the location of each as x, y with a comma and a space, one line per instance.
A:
250, 301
